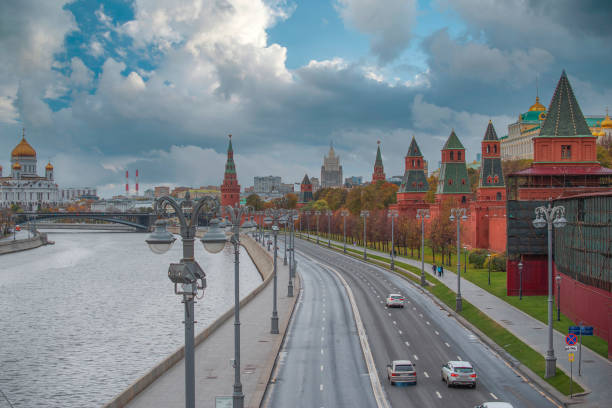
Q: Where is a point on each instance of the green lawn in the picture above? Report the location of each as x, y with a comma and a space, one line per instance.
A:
515, 347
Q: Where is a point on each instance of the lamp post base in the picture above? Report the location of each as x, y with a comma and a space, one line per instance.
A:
238, 398
285, 260
274, 325
459, 304
551, 364
423, 280
392, 265
290, 288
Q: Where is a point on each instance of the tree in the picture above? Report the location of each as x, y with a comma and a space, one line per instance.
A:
320, 205
430, 197
291, 200
604, 155
512, 166
253, 200
473, 176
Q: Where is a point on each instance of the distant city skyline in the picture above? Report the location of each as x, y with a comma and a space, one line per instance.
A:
102, 87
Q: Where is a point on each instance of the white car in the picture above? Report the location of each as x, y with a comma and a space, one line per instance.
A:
459, 373
395, 300
494, 405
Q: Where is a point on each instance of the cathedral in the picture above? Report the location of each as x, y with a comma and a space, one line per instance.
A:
24, 187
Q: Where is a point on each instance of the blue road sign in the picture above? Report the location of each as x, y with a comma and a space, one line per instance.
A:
574, 330
571, 339
587, 330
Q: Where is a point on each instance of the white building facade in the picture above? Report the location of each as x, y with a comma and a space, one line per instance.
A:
23, 186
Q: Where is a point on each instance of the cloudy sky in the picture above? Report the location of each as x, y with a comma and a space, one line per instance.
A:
105, 86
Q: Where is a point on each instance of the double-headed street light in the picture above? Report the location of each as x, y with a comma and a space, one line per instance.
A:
317, 213
344, 214
392, 214
549, 216
460, 215
422, 213
284, 220
292, 215
273, 216
187, 272
329, 214
308, 224
365, 214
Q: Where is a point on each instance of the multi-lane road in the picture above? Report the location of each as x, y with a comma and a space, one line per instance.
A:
322, 363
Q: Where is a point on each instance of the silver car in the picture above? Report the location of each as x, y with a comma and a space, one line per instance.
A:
395, 300
459, 373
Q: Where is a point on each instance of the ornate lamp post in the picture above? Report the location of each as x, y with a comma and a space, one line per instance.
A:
292, 215
465, 262
329, 214
558, 279
344, 214
392, 214
284, 220
365, 214
423, 213
187, 272
547, 217
307, 224
317, 213
273, 217
460, 215
489, 259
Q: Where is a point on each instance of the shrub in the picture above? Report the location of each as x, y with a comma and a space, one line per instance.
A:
478, 258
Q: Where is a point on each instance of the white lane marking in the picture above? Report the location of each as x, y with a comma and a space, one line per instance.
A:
323, 319
413, 308
399, 331
323, 311
321, 351
420, 314
447, 345
438, 394
407, 344
415, 356
437, 334
322, 339
321, 367
459, 358
322, 328
321, 387
427, 323
381, 301
394, 322
425, 374
389, 314
493, 395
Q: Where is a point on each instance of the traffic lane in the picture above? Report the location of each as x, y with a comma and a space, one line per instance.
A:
321, 363
496, 379
392, 338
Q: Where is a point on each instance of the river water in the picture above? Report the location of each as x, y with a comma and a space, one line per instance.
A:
84, 318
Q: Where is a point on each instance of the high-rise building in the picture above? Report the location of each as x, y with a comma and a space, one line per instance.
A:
161, 191
331, 171
379, 170
230, 189
266, 184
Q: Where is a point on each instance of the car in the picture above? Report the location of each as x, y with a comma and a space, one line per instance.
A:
459, 373
18, 228
395, 300
494, 405
401, 371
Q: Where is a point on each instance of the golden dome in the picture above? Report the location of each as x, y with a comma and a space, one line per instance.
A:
16, 166
23, 149
49, 166
537, 106
606, 123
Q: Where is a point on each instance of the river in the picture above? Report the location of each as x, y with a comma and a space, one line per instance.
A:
82, 319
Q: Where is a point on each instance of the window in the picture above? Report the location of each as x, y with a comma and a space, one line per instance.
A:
463, 181
463, 199
450, 181
413, 163
414, 184
498, 196
452, 155
494, 148
495, 179
419, 162
458, 155
566, 151
488, 148
489, 179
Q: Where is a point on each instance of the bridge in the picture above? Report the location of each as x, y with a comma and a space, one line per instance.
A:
140, 221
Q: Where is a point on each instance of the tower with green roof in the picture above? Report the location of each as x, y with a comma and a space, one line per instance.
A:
379, 170
230, 189
453, 182
491, 184
414, 185
306, 190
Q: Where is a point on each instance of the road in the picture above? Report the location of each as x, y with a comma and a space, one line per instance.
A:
321, 363
422, 332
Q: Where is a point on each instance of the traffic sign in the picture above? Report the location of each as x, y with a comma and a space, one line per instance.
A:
571, 339
587, 330
574, 330
571, 348
584, 330
570, 357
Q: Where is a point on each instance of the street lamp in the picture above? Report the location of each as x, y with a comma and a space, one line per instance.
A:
317, 213
520, 268
465, 262
365, 214
273, 217
284, 220
558, 279
392, 214
329, 214
344, 214
489, 259
292, 215
423, 213
187, 272
460, 215
308, 224
549, 216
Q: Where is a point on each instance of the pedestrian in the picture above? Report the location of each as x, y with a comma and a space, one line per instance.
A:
434, 269
441, 271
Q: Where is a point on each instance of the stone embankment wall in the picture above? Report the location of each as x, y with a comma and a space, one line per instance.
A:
7, 247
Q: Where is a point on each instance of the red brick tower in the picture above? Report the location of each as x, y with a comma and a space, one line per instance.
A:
414, 187
453, 182
491, 186
379, 170
230, 189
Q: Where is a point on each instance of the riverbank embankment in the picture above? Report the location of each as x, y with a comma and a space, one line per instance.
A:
17, 245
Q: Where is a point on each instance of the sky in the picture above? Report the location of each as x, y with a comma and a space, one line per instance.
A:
102, 87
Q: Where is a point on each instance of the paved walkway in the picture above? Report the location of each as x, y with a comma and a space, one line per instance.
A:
596, 370
213, 372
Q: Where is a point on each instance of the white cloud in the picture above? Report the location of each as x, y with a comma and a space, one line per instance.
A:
389, 23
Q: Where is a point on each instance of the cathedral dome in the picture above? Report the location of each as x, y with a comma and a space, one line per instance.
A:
606, 123
49, 166
537, 106
16, 166
23, 149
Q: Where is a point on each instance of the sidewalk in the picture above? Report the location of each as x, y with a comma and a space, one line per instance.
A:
596, 370
213, 371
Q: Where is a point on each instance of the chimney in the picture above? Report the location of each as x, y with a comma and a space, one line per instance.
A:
136, 182
127, 183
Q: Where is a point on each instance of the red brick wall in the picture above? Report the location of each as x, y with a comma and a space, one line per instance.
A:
534, 276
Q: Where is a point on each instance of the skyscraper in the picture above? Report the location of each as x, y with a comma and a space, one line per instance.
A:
331, 171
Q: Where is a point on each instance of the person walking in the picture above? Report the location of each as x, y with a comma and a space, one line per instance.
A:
441, 271
434, 269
